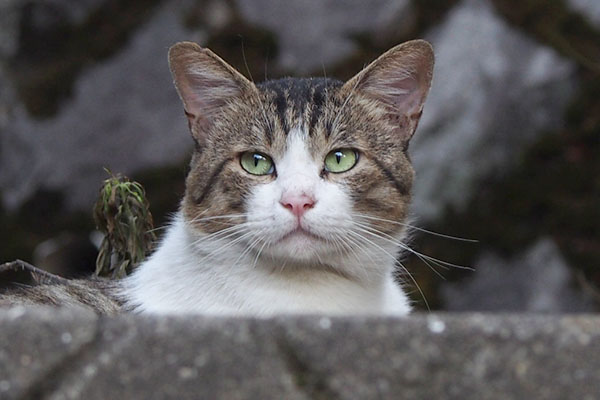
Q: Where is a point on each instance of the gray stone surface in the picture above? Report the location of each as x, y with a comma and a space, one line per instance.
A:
59, 354
124, 115
314, 34
538, 280
494, 91
590, 9
9, 27
74, 12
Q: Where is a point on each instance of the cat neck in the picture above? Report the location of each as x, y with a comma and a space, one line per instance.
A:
182, 276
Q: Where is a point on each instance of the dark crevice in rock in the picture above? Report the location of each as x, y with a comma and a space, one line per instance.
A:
43, 217
164, 188
555, 24
250, 49
429, 13
309, 381
52, 55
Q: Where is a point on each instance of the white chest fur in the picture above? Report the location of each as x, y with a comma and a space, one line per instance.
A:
179, 279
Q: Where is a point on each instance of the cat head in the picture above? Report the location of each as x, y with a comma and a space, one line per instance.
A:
306, 171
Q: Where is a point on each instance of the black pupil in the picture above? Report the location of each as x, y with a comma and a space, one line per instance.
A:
338, 156
257, 158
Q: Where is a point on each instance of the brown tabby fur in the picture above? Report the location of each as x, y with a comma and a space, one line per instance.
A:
336, 115
93, 294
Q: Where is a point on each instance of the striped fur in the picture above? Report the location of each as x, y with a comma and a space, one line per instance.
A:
94, 294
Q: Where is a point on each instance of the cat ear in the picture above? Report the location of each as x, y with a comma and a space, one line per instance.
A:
205, 83
399, 80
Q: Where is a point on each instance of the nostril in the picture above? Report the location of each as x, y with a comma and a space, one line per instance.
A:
297, 204
308, 204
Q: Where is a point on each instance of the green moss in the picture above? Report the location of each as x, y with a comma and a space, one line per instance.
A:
123, 216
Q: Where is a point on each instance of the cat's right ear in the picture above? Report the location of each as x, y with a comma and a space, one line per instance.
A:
205, 83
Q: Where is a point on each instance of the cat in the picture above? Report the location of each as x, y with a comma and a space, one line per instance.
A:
297, 195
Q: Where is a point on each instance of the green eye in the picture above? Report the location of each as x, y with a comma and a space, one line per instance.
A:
257, 163
340, 160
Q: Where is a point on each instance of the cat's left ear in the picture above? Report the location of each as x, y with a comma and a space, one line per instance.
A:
399, 80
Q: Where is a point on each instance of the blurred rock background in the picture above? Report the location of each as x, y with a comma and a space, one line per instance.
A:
507, 152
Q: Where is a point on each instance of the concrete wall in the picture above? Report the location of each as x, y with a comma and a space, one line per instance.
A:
65, 354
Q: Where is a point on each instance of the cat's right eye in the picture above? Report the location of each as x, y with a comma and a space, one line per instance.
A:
257, 163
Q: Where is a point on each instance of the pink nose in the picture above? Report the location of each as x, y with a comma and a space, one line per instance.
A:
298, 204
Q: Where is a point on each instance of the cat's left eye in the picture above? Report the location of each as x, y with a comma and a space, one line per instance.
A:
257, 163
341, 160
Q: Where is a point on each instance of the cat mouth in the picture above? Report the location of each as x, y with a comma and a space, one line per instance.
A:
299, 233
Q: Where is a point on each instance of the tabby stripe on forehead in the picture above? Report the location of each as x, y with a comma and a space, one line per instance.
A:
281, 104
210, 183
400, 186
317, 108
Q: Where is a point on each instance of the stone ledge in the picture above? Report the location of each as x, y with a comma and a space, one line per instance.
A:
64, 354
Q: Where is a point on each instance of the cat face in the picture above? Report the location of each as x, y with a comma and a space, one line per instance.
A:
310, 171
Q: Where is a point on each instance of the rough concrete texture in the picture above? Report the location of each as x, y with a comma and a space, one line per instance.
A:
65, 354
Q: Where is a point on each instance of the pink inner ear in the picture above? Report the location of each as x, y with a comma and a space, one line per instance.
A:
204, 93
401, 94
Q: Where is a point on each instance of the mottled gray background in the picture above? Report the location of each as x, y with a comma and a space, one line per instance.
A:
507, 152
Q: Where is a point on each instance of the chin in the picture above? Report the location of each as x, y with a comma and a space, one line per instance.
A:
300, 247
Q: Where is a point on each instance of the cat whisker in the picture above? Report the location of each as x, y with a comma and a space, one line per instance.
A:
363, 249
225, 246
384, 251
243, 253
215, 241
258, 253
414, 281
407, 248
160, 228
250, 246
370, 217
213, 217
337, 245
246, 62
391, 239
219, 235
